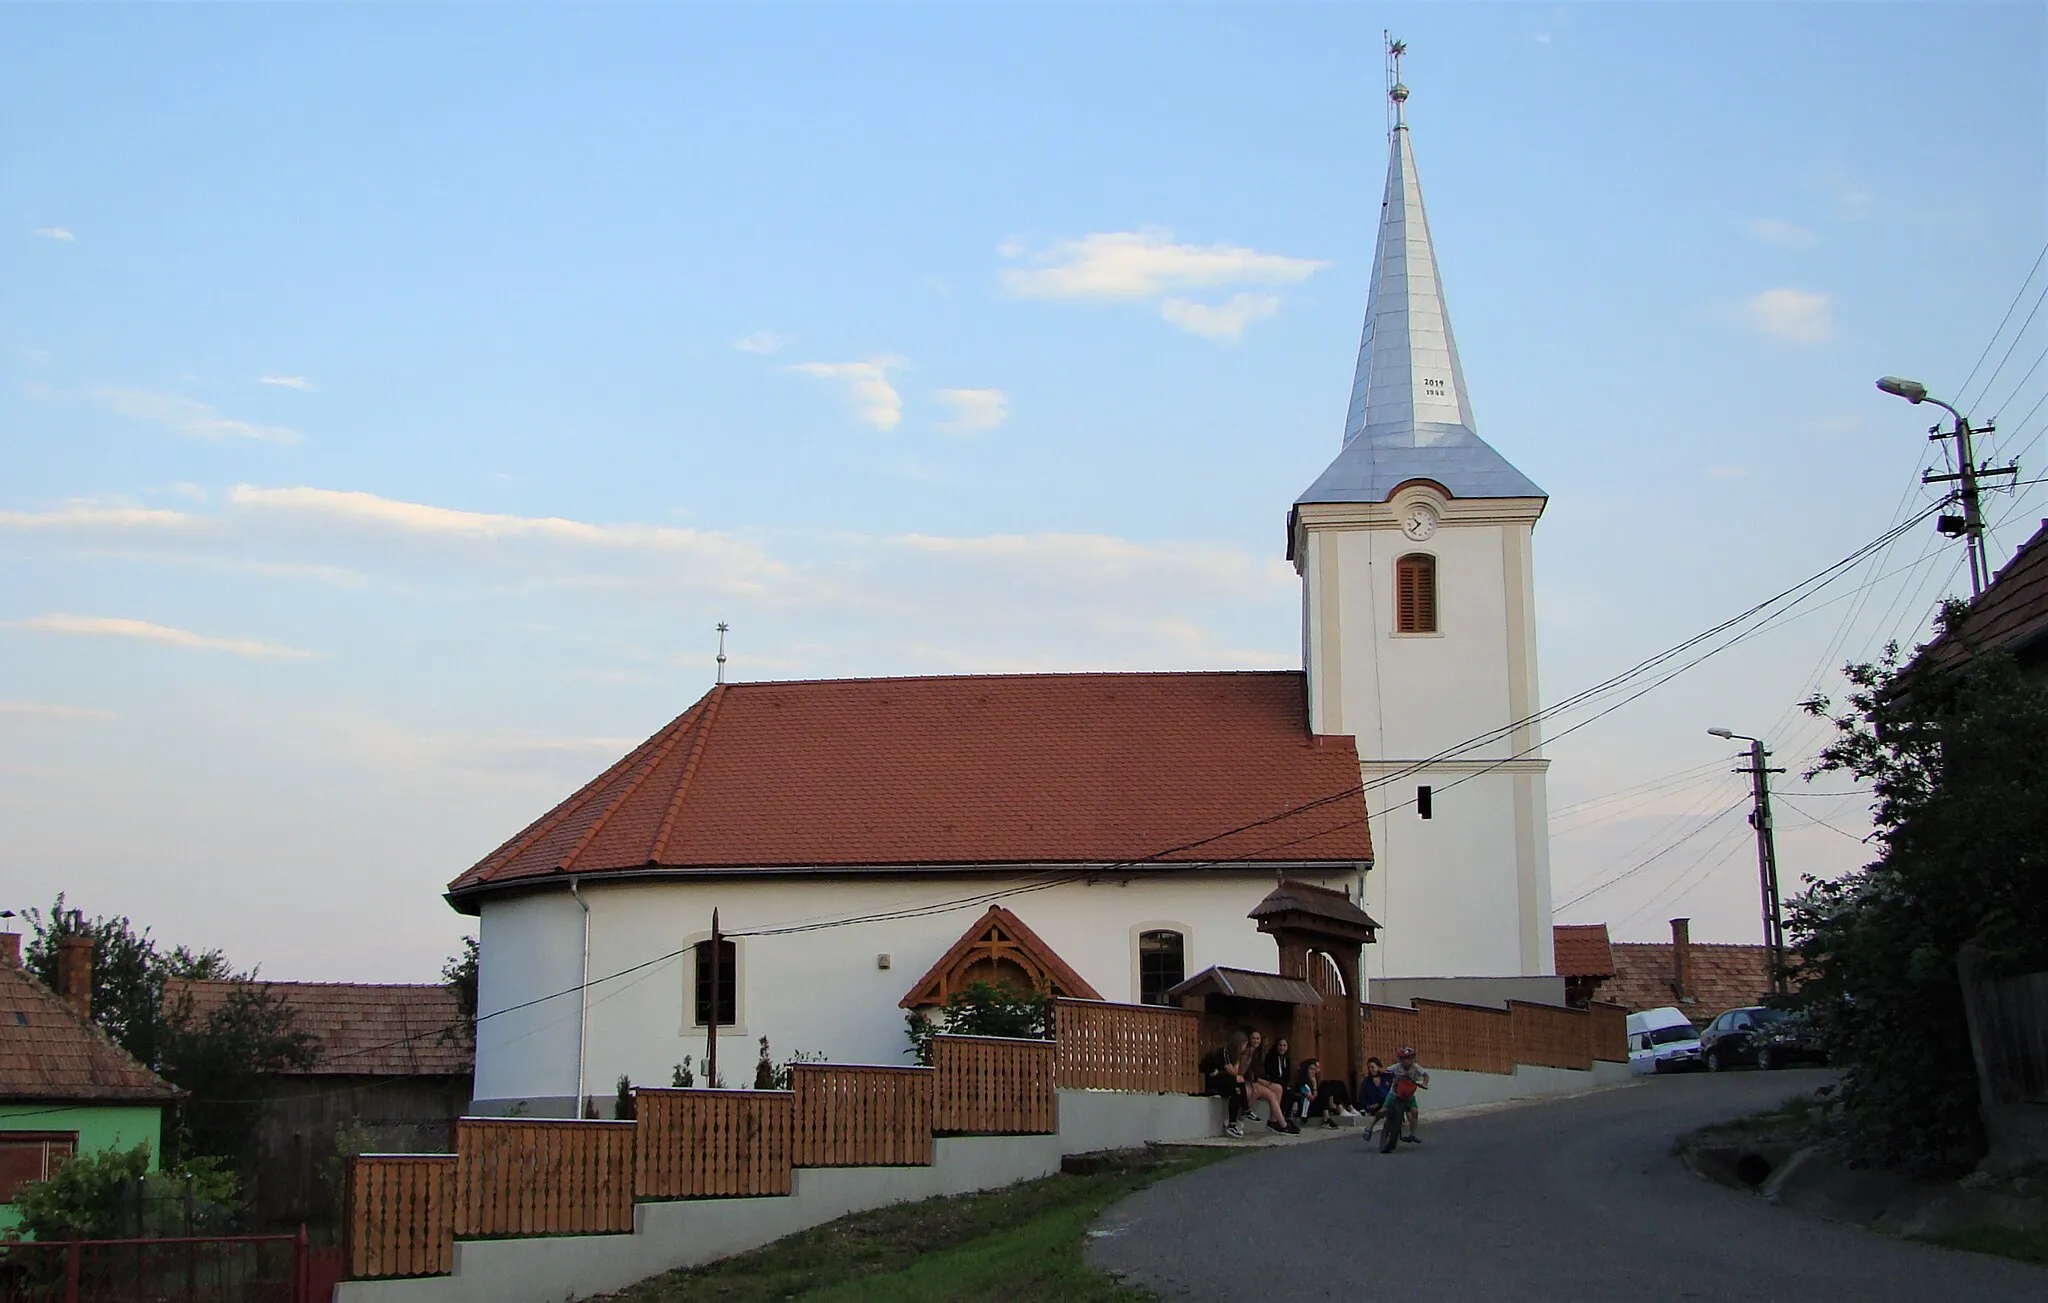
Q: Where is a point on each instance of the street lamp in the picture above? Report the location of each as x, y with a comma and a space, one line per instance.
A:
1973, 520
1766, 849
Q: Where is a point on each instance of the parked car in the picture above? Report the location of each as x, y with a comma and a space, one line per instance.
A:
1768, 1038
1662, 1040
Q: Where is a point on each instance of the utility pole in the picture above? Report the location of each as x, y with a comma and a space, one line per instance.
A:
1967, 474
1760, 772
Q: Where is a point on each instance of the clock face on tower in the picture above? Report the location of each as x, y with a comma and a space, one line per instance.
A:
1419, 521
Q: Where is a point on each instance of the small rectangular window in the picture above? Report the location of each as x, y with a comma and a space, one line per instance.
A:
32, 1156
1425, 803
1162, 965
728, 985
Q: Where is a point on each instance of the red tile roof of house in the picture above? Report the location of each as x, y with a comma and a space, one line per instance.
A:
975, 770
363, 1030
1582, 950
1723, 977
48, 1052
2012, 612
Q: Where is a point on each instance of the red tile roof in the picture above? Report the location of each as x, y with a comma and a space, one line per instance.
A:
1582, 950
363, 1030
47, 1052
2011, 612
1723, 977
973, 770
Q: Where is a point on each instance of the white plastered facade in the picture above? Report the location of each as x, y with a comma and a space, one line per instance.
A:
1467, 891
822, 991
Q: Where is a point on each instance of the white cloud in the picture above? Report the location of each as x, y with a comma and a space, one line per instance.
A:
761, 342
88, 514
1145, 264
1850, 198
1776, 230
286, 382
187, 416
1226, 321
974, 410
60, 234
875, 401
46, 710
1795, 316
103, 626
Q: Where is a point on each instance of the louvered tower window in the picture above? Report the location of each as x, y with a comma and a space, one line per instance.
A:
1415, 594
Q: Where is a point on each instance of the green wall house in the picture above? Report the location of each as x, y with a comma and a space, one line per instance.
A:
65, 1087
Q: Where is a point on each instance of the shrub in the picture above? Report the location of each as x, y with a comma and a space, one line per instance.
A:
982, 1009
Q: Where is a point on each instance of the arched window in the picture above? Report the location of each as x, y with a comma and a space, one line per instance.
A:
1415, 593
1162, 965
728, 984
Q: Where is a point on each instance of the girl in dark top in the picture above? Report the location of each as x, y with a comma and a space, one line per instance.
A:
1279, 1066
1372, 1089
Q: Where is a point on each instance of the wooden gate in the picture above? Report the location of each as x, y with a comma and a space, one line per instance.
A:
1330, 1023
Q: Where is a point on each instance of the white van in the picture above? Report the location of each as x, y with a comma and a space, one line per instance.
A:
1662, 1040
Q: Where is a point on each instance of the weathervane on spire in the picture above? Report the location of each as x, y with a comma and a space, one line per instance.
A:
723, 628
1397, 93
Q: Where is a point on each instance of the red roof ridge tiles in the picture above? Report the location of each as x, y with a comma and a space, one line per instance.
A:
675, 806
961, 771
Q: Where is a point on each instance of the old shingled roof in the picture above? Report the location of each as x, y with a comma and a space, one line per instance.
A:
1723, 977
1583, 951
361, 1029
2011, 613
1246, 985
47, 1052
973, 770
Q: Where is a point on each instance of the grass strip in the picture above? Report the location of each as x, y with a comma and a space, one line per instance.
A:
2005, 1241
1019, 1244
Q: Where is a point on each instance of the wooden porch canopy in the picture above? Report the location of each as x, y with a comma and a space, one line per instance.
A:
998, 948
1243, 984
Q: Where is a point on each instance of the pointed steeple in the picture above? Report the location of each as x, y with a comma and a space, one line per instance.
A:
1410, 417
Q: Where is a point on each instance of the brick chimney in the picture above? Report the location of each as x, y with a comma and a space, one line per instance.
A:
74, 974
1681, 959
10, 949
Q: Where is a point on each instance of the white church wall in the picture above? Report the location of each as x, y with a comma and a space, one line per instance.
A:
1466, 892
1444, 889
531, 948
821, 991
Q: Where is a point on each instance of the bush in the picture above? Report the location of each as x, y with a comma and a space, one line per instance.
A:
112, 1194
982, 1009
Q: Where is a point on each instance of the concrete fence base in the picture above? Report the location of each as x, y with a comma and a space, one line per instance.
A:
687, 1233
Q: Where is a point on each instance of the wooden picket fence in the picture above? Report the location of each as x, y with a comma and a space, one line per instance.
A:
1464, 1037
398, 1215
1549, 1037
702, 1144
1607, 1032
861, 1116
522, 1176
1133, 1047
991, 1085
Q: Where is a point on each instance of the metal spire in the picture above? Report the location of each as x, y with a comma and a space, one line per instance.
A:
1410, 417
723, 629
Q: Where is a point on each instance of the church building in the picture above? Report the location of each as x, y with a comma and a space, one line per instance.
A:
869, 845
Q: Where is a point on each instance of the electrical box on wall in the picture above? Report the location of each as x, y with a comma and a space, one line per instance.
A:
881, 961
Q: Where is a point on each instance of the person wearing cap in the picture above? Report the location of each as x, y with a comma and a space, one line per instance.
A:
1407, 1069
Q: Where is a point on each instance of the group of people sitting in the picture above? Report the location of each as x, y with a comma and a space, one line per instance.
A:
1247, 1075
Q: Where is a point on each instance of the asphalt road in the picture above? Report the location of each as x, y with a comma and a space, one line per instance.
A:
1577, 1199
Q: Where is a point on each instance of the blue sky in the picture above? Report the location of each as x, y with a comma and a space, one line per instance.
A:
391, 399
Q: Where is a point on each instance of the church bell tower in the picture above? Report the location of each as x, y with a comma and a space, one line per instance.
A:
1419, 627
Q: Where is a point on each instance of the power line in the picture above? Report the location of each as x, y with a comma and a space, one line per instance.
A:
1991, 343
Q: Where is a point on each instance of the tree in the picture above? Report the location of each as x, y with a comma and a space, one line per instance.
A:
459, 975
223, 1058
1954, 763
129, 972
